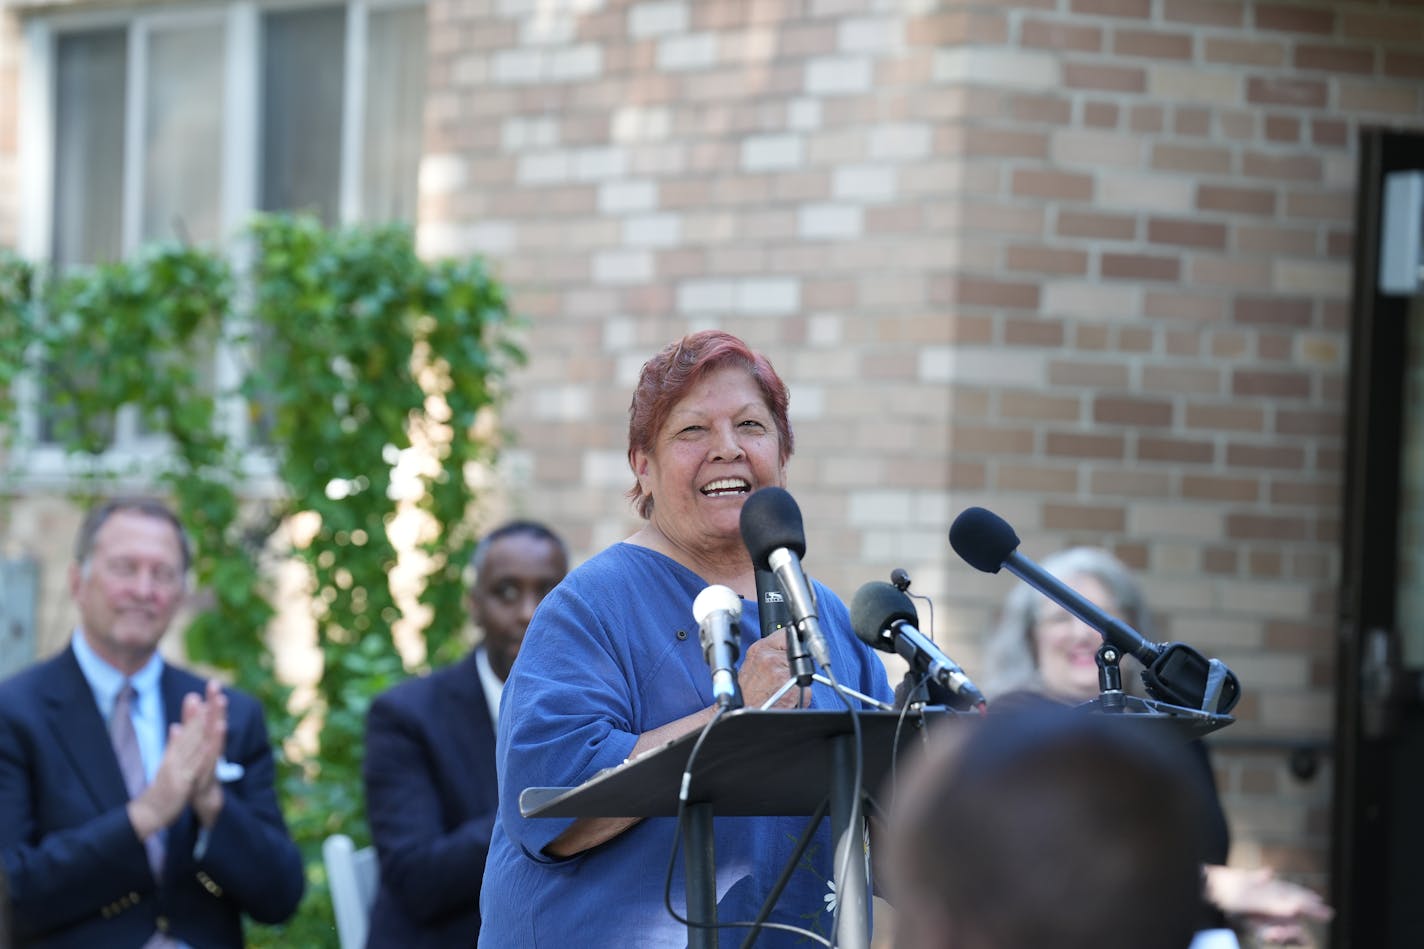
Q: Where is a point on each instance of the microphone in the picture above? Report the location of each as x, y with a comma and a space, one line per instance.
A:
901, 579
771, 604
776, 539
716, 609
1175, 671
884, 618
775, 617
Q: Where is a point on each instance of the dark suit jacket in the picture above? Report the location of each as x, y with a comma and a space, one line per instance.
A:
78, 874
430, 799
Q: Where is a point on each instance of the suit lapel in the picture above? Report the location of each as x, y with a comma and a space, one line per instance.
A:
467, 694
79, 729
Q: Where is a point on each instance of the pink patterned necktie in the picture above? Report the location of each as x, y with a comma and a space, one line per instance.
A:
125, 739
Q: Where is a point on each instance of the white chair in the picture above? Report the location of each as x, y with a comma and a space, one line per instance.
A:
352, 876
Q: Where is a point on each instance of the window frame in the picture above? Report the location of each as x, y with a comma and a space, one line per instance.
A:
36, 461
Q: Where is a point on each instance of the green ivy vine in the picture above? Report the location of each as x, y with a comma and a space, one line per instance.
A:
363, 360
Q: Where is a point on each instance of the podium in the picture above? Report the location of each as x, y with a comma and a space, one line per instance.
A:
757, 763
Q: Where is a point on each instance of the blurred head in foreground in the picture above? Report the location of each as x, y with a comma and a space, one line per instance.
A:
1046, 826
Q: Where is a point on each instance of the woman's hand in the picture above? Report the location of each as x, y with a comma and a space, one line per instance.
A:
1273, 909
765, 668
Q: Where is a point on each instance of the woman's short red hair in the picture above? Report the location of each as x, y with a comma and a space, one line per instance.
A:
670, 375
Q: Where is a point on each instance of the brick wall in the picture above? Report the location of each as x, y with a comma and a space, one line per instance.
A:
1084, 262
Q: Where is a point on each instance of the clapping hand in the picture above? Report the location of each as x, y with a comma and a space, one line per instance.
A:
187, 773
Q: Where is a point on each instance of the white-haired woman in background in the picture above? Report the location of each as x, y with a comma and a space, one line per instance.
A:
1040, 647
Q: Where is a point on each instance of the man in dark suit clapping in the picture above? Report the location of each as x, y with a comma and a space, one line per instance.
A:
430, 781
136, 800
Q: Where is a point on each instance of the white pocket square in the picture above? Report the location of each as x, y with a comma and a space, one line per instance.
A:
229, 770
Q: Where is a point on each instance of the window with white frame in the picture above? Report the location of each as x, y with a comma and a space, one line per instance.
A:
179, 121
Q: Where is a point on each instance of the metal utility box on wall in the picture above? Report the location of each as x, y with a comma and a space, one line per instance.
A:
19, 586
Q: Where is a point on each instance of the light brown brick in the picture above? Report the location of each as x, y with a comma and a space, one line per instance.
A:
1252, 383
1147, 118
1078, 37
1182, 380
1246, 455
1184, 344
1241, 526
1298, 93
1139, 267
1205, 12
1075, 445
1176, 449
1133, 412
963, 475
1236, 200
1312, 423
1295, 19
1274, 347
1277, 241
1039, 477
1091, 338
1216, 488
992, 439
983, 291
1137, 9
1098, 375
1038, 333
1038, 258
1219, 560
1234, 417
1233, 50
1052, 185
1002, 143
1331, 132
1179, 305
1400, 64
1393, 26
994, 218
1233, 271
1340, 244
1196, 159
1135, 339
1312, 57
1126, 483
1272, 311
1152, 44
1046, 109
1282, 128
1186, 233
1191, 120
1105, 78
1096, 225
953, 28
1361, 96
1035, 406
1103, 115
1315, 496
1084, 517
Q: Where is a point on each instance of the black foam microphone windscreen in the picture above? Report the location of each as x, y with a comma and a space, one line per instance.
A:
874, 608
771, 520
982, 539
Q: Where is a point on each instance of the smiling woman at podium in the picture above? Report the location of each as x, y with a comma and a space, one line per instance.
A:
612, 667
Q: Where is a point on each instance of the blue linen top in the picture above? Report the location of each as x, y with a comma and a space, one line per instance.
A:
602, 663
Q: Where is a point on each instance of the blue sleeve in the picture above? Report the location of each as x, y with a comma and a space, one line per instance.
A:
568, 711
854, 663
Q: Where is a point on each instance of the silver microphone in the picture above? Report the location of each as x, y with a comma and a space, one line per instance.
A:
717, 609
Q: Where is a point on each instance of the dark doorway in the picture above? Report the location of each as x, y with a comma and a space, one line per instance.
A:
1376, 867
